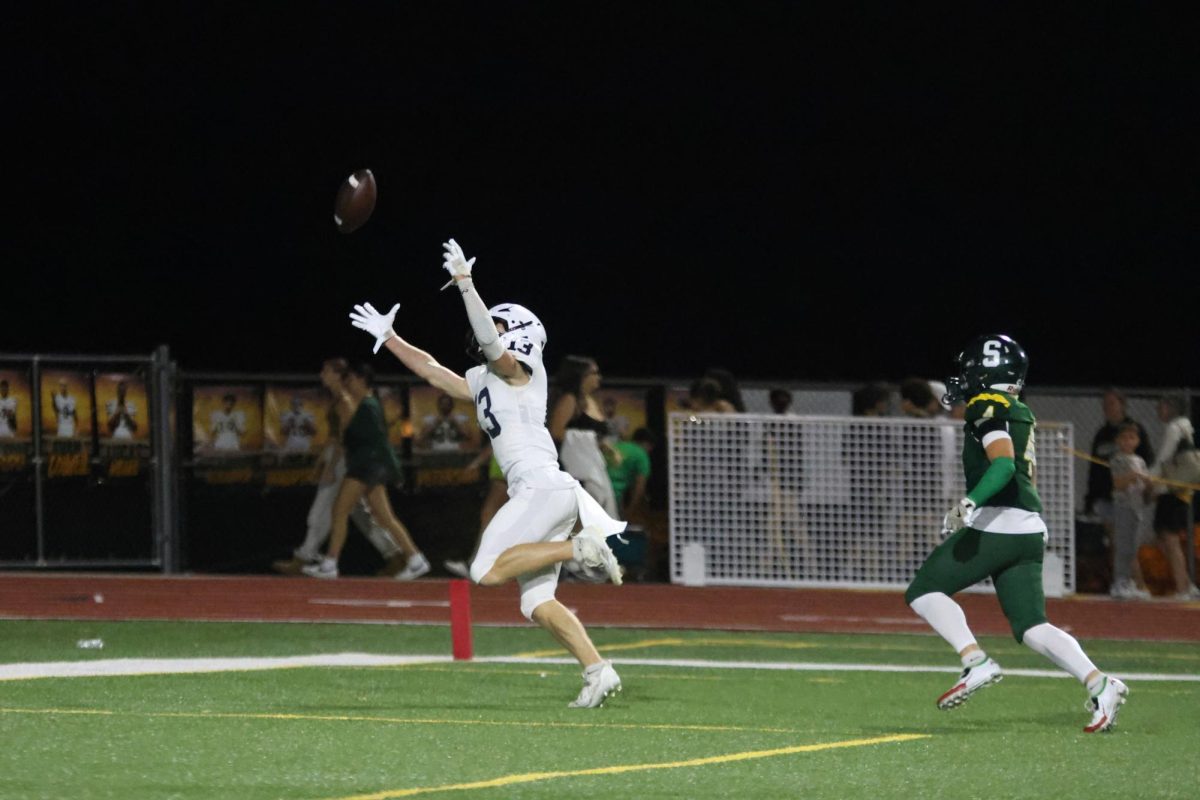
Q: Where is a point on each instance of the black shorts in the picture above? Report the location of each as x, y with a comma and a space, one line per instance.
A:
373, 473
1170, 514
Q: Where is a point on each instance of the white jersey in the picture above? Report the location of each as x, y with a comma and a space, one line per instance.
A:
123, 431
514, 418
8, 417
299, 427
227, 429
65, 410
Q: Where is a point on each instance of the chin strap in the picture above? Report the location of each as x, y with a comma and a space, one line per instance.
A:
481, 321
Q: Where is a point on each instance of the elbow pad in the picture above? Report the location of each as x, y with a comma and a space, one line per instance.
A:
481, 321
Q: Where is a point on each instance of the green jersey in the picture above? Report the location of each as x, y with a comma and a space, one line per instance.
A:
996, 412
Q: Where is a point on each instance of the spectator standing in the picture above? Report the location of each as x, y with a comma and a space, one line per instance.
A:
729, 388
704, 397
1132, 491
1099, 497
629, 477
781, 401
1171, 508
579, 428
445, 431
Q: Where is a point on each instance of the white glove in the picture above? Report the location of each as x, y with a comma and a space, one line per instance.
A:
455, 262
957, 517
366, 318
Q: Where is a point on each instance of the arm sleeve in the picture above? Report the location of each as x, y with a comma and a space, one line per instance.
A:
481, 321
996, 478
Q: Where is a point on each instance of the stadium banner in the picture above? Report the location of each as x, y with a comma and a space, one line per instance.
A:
68, 422
124, 423
227, 432
442, 424
16, 421
624, 411
395, 414
296, 430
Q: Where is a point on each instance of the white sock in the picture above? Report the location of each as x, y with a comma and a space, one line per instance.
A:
946, 617
1061, 648
974, 659
1096, 684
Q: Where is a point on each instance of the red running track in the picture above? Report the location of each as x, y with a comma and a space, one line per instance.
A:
267, 599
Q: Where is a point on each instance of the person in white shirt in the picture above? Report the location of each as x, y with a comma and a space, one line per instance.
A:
1171, 508
534, 532
122, 414
227, 426
8, 412
64, 410
298, 425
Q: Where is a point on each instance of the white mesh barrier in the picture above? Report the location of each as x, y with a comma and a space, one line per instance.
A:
771, 500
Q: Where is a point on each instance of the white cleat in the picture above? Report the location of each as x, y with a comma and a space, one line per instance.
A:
1106, 705
417, 566
459, 568
591, 550
972, 680
599, 681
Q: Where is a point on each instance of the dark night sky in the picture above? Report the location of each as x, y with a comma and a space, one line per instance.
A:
796, 191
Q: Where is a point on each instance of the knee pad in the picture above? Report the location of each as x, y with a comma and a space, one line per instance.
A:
481, 566
533, 597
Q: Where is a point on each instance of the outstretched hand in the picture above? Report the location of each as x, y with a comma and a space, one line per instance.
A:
455, 262
366, 318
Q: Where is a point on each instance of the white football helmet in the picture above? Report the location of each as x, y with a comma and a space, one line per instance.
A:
519, 323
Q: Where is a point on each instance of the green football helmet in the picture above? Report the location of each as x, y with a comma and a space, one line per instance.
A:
989, 362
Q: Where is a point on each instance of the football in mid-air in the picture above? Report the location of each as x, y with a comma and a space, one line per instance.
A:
355, 201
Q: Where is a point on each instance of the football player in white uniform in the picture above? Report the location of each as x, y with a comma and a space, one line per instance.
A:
122, 414
299, 426
227, 426
8, 412
64, 411
533, 533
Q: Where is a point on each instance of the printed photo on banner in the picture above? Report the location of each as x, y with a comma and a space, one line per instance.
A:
67, 405
121, 400
16, 418
442, 424
395, 413
226, 420
296, 418
677, 398
624, 411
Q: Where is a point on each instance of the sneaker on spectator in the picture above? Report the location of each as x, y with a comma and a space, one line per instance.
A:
325, 568
460, 568
417, 566
1192, 593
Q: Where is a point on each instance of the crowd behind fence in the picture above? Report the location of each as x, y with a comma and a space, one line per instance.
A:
141, 464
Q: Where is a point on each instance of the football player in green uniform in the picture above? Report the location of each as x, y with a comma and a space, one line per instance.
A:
997, 531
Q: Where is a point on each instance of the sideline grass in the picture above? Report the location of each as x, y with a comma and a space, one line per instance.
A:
339, 732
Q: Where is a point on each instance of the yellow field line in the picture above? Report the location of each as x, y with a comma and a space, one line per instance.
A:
394, 720
532, 777
678, 642
539, 673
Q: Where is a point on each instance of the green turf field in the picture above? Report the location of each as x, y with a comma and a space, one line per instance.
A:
502, 730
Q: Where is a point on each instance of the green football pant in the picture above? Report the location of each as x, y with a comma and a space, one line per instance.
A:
1012, 560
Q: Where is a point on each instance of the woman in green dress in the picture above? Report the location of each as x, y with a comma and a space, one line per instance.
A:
371, 464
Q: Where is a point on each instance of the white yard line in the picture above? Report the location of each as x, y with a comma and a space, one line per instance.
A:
179, 666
